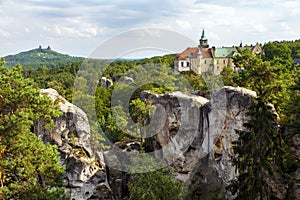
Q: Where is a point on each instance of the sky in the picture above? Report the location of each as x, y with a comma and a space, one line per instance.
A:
78, 27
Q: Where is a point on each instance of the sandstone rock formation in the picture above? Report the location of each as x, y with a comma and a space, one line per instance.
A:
295, 148
105, 82
195, 135
191, 134
85, 170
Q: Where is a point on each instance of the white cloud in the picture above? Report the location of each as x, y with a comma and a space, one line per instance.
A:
26, 29
85, 31
4, 33
184, 24
260, 28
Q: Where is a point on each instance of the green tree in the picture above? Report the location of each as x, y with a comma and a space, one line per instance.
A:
29, 168
196, 81
139, 111
264, 159
261, 155
291, 127
228, 76
295, 47
154, 185
270, 79
277, 50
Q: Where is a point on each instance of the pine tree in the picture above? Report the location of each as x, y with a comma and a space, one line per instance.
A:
29, 169
264, 158
291, 127
261, 154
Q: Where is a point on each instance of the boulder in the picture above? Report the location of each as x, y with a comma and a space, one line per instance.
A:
105, 82
85, 176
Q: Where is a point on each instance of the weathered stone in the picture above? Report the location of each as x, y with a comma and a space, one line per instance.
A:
295, 149
85, 169
191, 134
195, 135
105, 82
128, 80
118, 161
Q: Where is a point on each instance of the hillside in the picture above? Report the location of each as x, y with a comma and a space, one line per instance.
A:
40, 57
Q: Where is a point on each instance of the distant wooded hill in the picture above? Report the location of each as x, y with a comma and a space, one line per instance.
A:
49, 58
40, 57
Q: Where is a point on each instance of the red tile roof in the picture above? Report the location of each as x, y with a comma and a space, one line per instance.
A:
206, 53
192, 52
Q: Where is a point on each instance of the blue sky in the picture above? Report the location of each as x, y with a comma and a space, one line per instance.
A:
78, 27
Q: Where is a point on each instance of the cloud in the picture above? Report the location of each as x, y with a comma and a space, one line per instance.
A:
184, 24
85, 31
260, 28
4, 33
84, 24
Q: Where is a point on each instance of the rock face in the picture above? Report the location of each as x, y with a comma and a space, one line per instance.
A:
295, 148
195, 135
85, 170
191, 134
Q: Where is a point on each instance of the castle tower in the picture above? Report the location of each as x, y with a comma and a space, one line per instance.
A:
203, 41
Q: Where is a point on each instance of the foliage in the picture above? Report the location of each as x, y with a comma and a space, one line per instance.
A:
155, 185
270, 79
139, 111
213, 81
216, 194
122, 101
294, 46
88, 93
40, 57
29, 168
262, 148
274, 50
196, 81
60, 78
291, 127
228, 76
264, 158
292, 110
261, 155
118, 68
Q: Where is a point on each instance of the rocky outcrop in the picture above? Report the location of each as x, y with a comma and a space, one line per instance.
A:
295, 149
118, 161
105, 82
195, 135
189, 133
85, 169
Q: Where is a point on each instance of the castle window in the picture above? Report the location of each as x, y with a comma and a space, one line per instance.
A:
204, 61
187, 64
217, 61
224, 62
181, 64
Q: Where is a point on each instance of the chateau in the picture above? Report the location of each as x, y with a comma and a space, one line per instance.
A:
202, 58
